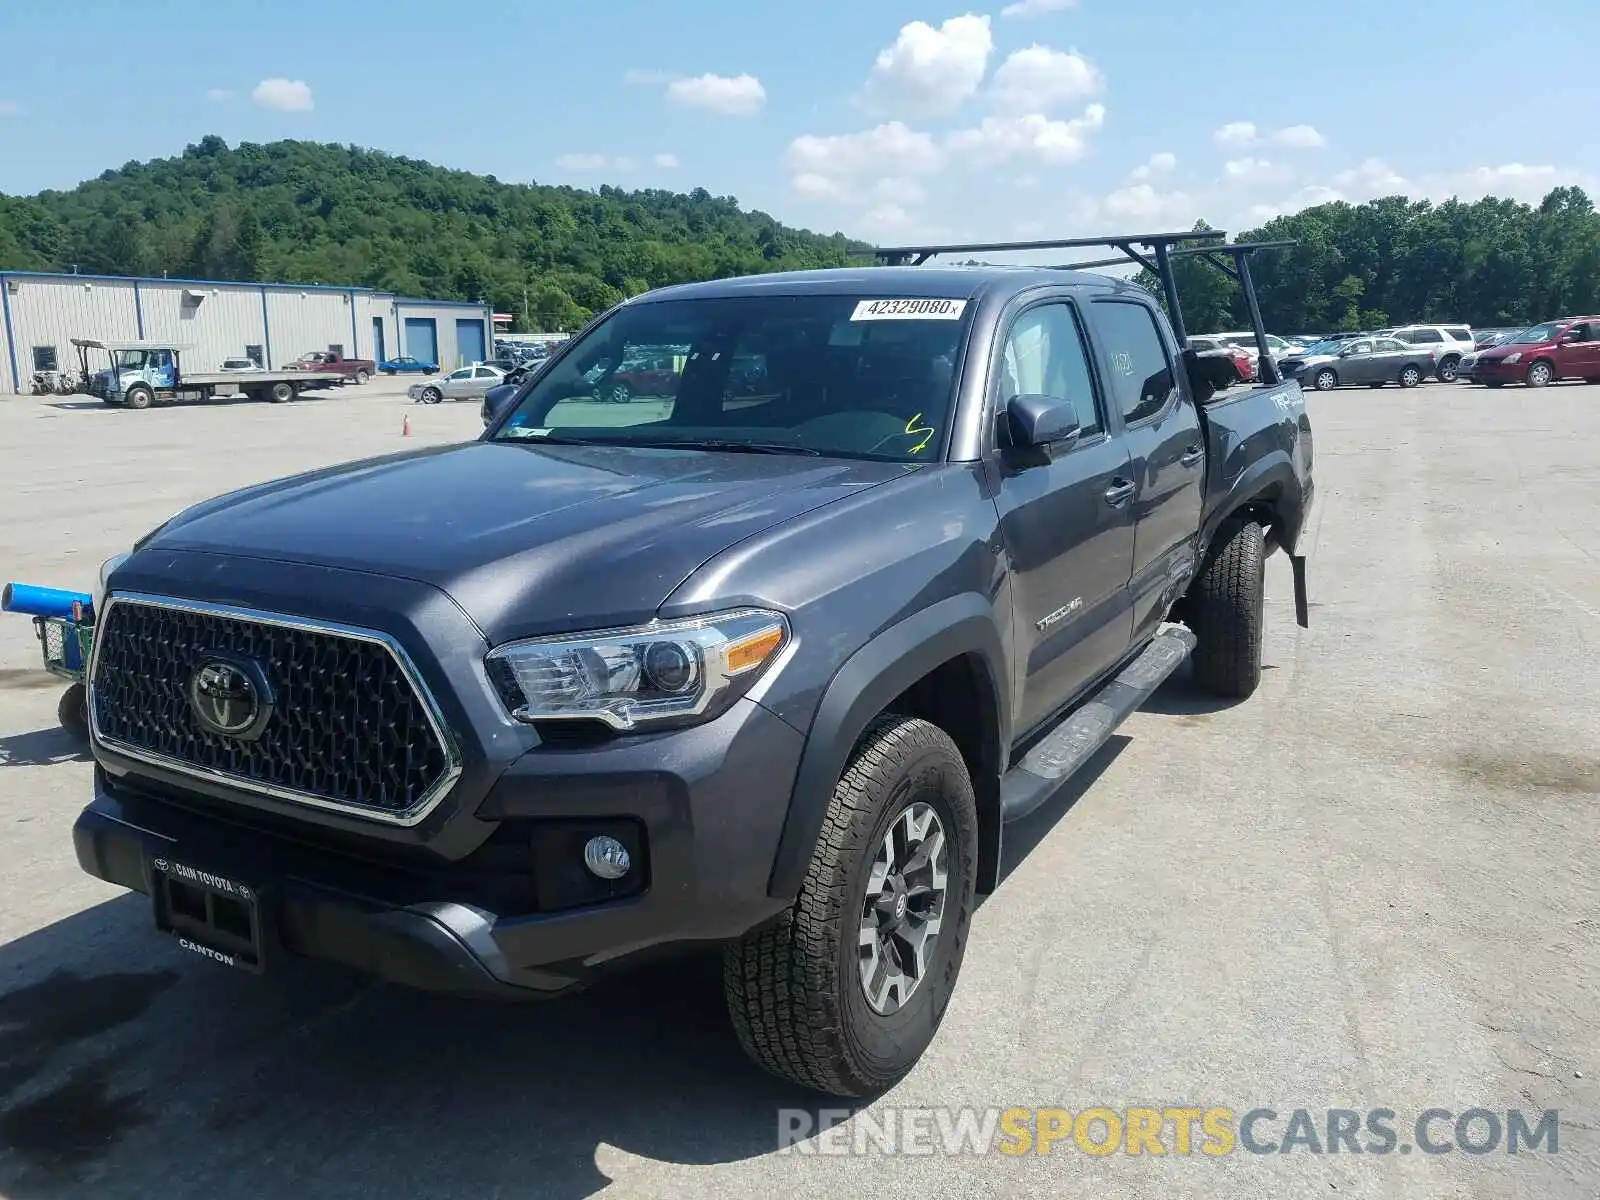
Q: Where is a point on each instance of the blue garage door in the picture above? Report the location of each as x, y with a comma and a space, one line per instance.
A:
422, 339
378, 353
469, 341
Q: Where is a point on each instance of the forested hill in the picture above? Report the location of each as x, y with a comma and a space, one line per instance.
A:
1488, 262
303, 212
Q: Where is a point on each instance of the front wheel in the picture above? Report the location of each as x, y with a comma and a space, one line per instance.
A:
846, 989
1410, 377
1225, 610
432, 395
139, 397
1325, 380
73, 710
1540, 374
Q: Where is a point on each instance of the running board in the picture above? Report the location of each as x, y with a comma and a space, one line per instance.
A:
1074, 742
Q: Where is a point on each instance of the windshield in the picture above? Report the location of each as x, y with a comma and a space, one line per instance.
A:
1533, 335
846, 376
130, 360
1326, 346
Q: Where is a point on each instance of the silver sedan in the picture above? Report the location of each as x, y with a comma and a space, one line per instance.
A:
468, 383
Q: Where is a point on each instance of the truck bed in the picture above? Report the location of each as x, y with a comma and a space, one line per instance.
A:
244, 379
1258, 437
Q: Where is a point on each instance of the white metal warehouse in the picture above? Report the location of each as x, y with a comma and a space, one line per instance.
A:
272, 323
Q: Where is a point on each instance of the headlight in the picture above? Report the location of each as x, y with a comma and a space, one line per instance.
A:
99, 591
665, 671
1512, 360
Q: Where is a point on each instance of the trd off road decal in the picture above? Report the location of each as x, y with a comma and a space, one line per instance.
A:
909, 310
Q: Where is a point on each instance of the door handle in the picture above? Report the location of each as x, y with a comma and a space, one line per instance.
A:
1192, 455
1120, 492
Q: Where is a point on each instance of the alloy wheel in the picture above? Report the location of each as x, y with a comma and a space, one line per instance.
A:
903, 909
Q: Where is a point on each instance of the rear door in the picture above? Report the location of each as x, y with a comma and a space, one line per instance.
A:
1166, 450
1067, 523
1578, 352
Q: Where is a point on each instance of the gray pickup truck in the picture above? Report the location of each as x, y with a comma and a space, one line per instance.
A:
768, 666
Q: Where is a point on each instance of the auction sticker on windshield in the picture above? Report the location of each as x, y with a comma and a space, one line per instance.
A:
909, 310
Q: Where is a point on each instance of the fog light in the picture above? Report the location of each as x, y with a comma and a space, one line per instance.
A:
607, 857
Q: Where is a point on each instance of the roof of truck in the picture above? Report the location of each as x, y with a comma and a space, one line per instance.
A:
952, 282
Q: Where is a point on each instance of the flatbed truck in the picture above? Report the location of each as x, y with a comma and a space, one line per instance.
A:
143, 372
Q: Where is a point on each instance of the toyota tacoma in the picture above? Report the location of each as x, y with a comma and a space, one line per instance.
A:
766, 666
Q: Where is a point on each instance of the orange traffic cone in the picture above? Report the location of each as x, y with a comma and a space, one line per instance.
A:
405, 426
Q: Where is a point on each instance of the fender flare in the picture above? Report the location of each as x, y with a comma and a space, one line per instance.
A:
863, 687
1275, 474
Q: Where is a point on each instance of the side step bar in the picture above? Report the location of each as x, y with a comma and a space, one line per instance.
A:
1069, 745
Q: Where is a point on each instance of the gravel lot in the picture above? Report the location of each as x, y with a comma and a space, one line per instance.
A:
1375, 885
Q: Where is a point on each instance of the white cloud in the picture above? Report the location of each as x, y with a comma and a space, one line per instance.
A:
841, 167
1039, 79
1163, 163
218, 95
1236, 133
1037, 8
930, 71
1248, 169
12, 108
1300, 137
598, 162
726, 95
1034, 136
1142, 202
667, 162
285, 95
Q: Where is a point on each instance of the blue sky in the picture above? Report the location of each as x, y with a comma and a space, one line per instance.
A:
888, 120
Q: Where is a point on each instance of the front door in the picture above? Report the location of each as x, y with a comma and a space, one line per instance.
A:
1166, 454
1067, 523
1578, 352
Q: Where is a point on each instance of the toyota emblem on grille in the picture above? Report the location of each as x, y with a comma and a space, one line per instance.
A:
229, 698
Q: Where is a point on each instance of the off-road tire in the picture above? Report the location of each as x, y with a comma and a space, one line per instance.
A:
1225, 610
73, 710
792, 984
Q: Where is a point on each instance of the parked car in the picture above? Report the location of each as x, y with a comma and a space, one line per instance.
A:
1244, 365
1372, 361
350, 370
407, 365
1449, 343
1568, 348
771, 677
240, 364
468, 383
1246, 341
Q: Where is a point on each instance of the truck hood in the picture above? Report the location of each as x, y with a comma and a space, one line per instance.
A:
527, 539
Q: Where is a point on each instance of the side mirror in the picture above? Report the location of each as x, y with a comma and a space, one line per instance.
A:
1040, 421
496, 398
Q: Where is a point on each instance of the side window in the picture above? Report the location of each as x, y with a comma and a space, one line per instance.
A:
465, 373
1044, 355
1360, 347
1459, 333
1425, 337
1142, 379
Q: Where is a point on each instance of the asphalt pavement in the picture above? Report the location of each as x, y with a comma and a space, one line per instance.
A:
1374, 885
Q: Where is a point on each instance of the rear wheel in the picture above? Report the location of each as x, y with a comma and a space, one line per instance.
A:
845, 991
1540, 374
1225, 609
1449, 369
362, 377
281, 392
1410, 377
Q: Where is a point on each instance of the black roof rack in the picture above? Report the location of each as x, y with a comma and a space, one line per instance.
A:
1152, 251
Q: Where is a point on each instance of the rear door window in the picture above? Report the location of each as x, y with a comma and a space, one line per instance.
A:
1142, 380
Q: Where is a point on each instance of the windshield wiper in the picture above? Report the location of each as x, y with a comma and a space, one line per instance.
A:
724, 444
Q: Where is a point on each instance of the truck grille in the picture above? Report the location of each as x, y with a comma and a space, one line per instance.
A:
347, 724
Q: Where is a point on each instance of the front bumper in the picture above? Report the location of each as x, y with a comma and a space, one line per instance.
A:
701, 811
1496, 371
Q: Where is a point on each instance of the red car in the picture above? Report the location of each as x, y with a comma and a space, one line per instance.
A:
1568, 348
